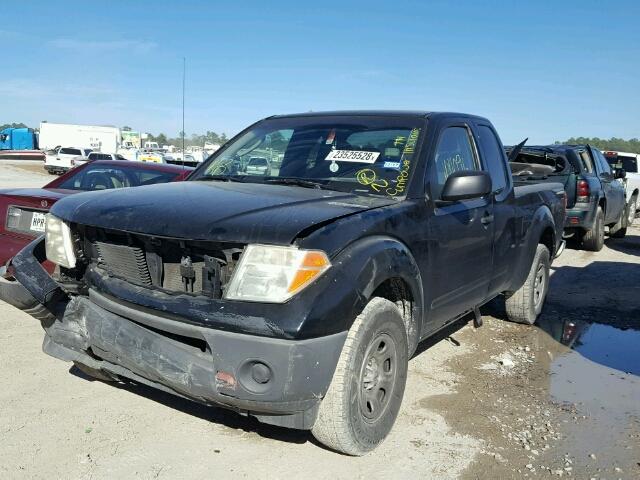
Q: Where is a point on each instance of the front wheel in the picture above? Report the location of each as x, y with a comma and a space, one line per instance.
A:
366, 391
525, 304
631, 211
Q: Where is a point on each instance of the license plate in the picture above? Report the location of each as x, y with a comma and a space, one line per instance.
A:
37, 222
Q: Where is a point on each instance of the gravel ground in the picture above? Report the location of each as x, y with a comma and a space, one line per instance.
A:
502, 401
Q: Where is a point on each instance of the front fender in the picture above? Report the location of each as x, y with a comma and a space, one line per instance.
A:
363, 266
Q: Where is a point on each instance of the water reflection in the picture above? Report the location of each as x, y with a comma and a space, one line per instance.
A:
604, 344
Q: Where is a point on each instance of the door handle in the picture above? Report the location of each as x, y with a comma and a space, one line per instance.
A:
486, 219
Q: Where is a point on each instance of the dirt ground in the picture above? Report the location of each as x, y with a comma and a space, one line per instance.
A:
561, 399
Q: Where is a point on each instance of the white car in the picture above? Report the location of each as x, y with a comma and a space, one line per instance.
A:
61, 159
630, 162
258, 166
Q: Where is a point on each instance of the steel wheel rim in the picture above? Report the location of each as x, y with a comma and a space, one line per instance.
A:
378, 377
631, 216
539, 286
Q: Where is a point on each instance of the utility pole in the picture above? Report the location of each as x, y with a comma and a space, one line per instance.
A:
184, 73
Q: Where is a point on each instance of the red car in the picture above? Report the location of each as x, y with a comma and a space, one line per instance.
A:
22, 210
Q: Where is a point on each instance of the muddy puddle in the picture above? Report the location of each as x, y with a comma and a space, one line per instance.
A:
597, 383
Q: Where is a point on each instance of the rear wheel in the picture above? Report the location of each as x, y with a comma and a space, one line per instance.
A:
593, 240
619, 230
525, 304
366, 391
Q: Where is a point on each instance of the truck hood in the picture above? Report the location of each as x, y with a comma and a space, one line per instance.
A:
214, 210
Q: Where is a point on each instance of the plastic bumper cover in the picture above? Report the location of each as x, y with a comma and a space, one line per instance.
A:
205, 364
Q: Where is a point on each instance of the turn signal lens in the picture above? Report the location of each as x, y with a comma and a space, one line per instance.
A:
274, 274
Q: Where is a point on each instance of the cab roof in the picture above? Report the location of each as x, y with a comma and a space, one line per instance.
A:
382, 113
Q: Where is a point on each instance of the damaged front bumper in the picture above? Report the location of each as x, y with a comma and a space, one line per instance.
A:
278, 381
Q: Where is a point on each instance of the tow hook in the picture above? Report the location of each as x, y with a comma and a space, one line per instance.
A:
477, 318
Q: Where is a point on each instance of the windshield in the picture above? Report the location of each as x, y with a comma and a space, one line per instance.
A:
99, 177
368, 155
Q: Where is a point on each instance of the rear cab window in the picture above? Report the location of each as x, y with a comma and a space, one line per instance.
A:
626, 162
70, 151
494, 158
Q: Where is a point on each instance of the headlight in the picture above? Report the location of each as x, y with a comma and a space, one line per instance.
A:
58, 242
275, 274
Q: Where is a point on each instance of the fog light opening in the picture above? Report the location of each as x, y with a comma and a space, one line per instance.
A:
260, 373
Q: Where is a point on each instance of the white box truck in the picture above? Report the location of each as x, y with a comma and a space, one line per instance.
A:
104, 139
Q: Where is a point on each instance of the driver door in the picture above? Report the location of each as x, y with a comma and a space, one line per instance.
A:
461, 233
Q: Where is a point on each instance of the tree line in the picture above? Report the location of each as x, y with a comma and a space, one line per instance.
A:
189, 141
617, 144
12, 125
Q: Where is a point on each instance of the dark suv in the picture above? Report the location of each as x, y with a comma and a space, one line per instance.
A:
595, 198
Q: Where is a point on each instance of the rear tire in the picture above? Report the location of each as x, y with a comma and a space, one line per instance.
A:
631, 211
525, 304
364, 398
619, 230
593, 240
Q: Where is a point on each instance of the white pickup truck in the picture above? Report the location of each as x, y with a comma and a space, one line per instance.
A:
630, 163
61, 159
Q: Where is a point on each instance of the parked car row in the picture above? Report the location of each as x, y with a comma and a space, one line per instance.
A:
62, 159
597, 197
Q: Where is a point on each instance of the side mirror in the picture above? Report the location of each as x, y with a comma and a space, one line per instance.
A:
466, 185
620, 173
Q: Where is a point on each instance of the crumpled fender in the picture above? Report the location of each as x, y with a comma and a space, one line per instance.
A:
27, 268
364, 265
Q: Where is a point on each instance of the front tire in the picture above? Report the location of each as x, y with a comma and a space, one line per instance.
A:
525, 304
364, 398
593, 240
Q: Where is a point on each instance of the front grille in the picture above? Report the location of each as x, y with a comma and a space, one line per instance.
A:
123, 261
173, 265
172, 278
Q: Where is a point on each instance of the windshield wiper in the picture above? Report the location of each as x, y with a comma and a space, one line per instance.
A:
299, 182
224, 178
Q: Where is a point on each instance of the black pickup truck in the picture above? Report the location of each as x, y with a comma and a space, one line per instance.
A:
595, 198
298, 295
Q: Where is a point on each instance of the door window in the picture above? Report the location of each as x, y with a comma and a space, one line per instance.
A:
604, 165
454, 153
493, 156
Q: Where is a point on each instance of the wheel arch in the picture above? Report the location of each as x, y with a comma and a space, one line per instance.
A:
382, 266
541, 231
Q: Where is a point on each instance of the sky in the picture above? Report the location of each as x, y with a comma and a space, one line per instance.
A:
546, 70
